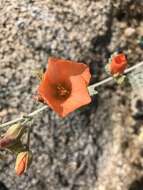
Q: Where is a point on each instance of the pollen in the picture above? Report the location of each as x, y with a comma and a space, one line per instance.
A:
62, 91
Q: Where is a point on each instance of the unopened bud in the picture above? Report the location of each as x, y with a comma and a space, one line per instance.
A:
11, 136
118, 64
15, 131
23, 161
5, 142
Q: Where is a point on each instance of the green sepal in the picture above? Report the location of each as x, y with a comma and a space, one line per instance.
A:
38, 73
120, 79
16, 148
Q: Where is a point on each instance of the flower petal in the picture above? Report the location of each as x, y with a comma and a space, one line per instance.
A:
79, 96
60, 70
46, 91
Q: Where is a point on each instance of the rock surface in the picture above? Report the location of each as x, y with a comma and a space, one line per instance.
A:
98, 147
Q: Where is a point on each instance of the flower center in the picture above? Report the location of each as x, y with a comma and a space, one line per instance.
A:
62, 91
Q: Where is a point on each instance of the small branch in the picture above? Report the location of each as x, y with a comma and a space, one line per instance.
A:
91, 89
21, 119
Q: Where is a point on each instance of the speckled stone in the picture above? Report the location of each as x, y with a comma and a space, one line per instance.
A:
92, 137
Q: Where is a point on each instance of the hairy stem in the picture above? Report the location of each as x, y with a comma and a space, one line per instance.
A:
91, 88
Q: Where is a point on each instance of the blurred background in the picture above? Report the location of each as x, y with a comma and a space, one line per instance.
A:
98, 147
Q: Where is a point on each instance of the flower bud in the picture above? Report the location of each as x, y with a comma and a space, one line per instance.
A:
5, 142
11, 136
15, 131
118, 64
23, 161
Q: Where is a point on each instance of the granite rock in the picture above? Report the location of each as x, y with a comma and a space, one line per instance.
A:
96, 147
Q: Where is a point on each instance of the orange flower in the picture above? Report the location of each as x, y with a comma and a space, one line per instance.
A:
118, 64
23, 161
64, 85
